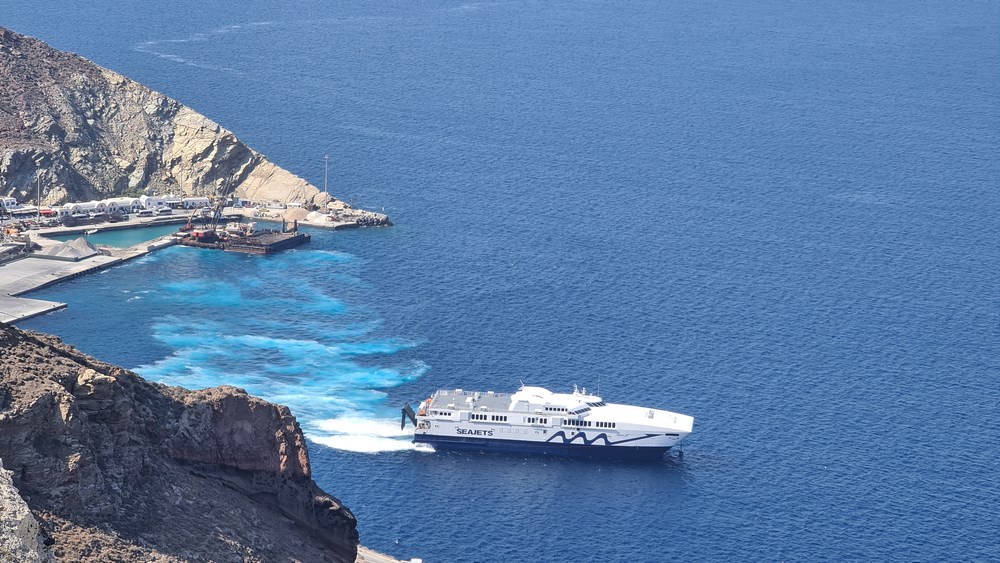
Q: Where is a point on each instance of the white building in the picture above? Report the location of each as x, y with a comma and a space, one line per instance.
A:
124, 204
195, 202
152, 201
92, 207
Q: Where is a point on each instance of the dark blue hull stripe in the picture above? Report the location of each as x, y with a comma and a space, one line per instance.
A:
543, 448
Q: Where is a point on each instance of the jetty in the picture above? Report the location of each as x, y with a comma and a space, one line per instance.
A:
30, 271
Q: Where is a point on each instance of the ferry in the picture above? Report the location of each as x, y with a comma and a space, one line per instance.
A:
535, 420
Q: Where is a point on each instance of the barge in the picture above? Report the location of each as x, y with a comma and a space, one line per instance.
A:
242, 237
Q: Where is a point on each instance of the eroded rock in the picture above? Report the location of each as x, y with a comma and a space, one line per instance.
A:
122, 469
90, 133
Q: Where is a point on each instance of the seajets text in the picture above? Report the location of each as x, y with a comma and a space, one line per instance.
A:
474, 432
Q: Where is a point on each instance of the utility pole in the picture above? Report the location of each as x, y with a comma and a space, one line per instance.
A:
38, 198
326, 172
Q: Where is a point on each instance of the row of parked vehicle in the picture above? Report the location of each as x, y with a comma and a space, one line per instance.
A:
94, 217
78, 219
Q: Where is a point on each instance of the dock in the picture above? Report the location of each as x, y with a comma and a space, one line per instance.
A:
28, 273
267, 243
246, 240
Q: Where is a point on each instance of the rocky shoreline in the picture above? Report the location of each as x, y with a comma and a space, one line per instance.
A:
97, 464
114, 467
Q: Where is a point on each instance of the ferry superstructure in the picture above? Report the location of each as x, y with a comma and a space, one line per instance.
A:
537, 421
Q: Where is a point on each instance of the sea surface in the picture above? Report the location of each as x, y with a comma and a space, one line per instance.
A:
782, 219
121, 238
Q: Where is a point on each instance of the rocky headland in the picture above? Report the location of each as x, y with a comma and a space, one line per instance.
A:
97, 464
84, 132
101, 465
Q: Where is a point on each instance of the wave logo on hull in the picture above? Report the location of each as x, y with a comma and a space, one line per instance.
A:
584, 441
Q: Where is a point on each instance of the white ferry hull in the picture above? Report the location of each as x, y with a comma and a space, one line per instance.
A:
536, 421
558, 449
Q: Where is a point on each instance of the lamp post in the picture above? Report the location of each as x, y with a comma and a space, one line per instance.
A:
38, 198
326, 172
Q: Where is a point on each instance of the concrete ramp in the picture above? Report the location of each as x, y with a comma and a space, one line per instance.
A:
13, 309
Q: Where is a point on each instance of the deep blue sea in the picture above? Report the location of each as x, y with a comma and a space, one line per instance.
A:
780, 218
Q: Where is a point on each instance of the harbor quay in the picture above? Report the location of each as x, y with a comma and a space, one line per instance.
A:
29, 272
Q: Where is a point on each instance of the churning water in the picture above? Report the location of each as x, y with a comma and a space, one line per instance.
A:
780, 219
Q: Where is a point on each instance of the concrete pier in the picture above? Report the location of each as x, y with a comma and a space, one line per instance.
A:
29, 273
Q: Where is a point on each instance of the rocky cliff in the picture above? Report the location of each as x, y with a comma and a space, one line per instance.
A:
114, 468
89, 133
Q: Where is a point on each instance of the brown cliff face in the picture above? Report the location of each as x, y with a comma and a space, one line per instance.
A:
89, 133
116, 468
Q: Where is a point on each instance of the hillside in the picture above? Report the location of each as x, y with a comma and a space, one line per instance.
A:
90, 133
114, 468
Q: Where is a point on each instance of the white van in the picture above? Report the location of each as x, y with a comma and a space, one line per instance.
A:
145, 213
164, 211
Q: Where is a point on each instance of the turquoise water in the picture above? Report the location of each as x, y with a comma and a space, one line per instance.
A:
122, 238
780, 219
